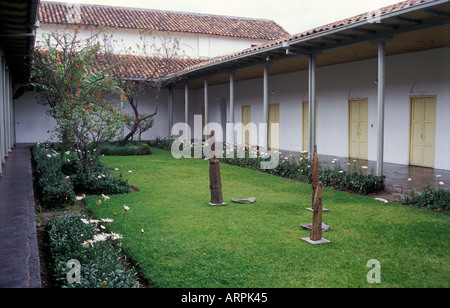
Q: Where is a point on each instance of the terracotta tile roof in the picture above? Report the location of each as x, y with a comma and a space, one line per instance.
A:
96, 15
332, 26
147, 68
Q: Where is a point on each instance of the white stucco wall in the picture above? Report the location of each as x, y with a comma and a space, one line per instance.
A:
194, 45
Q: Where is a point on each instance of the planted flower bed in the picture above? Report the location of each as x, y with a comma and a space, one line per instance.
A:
85, 256
58, 183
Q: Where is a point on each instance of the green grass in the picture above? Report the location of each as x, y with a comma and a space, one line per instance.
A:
188, 243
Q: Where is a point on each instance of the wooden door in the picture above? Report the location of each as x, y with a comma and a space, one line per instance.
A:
305, 127
358, 128
274, 118
423, 131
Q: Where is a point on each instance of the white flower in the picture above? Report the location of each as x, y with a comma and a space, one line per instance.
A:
105, 197
86, 243
49, 155
364, 167
142, 230
441, 183
117, 169
129, 171
382, 200
85, 221
79, 198
107, 220
115, 236
126, 208
409, 180
341, 171
100, 237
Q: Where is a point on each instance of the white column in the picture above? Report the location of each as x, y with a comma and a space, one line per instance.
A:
312, 104
2, 130
170, 111
230, 130
186, 109
205, 85
265, 133
7, 90
381, 104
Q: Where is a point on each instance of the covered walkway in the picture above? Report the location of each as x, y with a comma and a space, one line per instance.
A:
398, 178
19, 254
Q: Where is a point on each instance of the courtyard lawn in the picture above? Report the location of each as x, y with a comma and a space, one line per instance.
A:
188, 243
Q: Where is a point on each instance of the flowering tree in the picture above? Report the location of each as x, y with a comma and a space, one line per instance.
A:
77, 93
143, 69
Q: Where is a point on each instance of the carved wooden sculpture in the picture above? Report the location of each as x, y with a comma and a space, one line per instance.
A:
316, 230
215, 182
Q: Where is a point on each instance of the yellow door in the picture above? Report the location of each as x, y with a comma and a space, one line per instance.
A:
274, 118
423, 130
305, 127
245, 122
358, 128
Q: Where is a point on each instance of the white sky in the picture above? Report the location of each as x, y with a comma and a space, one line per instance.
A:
293, 15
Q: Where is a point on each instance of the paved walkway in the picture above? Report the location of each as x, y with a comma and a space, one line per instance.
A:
396, 176
19, 253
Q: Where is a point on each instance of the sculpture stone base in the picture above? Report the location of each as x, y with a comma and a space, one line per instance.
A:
217, 204
325, 227
321, 241
311, 210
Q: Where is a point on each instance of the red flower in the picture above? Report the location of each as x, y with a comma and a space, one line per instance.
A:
78, 84
78, 92
48, 132
57, 60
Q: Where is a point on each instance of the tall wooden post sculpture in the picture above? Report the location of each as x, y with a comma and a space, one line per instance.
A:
317, 226
315, 177
315, 174
317, 207
215, 182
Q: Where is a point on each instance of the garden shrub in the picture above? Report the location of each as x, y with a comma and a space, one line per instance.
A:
103, 264
132, 148
54, 188
163, 143
99, 183
433, 199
